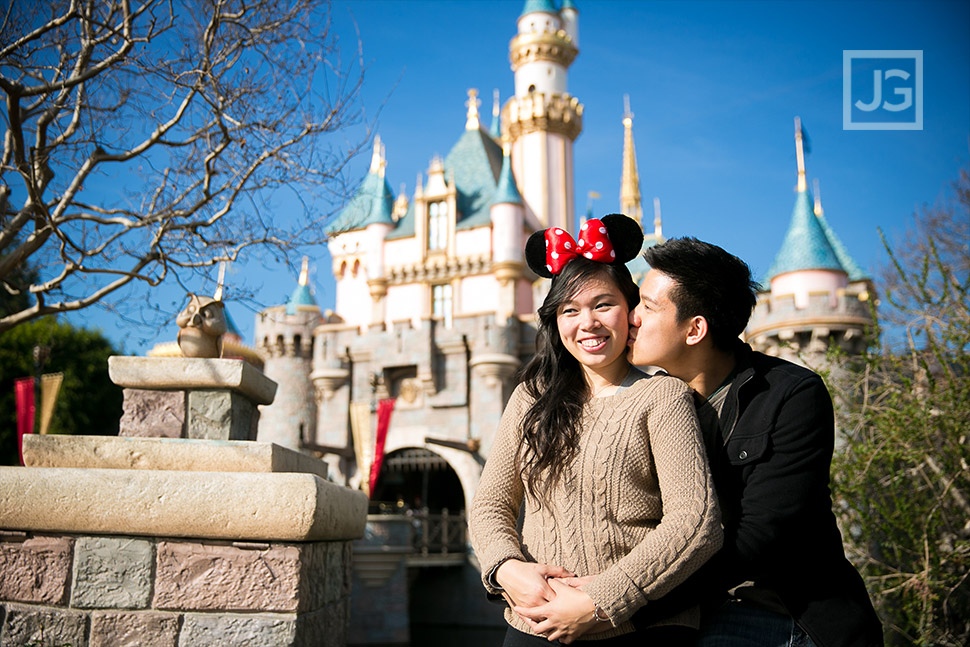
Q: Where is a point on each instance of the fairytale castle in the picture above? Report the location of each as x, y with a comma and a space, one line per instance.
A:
434, 305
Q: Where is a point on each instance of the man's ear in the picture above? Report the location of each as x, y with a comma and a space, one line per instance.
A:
697, 330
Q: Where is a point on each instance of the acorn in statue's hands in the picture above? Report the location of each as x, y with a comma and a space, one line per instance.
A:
201, 326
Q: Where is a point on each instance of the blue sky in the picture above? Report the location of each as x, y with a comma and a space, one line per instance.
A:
714, 86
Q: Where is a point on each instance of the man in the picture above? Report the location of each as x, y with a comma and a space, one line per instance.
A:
782, 577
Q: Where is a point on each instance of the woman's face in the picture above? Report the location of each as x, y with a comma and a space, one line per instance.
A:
593, 324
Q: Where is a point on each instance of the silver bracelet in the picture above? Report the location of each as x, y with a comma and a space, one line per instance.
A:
596, 614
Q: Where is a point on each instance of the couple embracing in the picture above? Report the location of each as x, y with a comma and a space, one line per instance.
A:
688, 507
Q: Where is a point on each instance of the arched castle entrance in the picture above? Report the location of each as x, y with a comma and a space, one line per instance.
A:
421, 485
412, 574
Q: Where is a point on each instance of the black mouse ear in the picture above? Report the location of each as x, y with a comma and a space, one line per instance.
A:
625, 234
535, 254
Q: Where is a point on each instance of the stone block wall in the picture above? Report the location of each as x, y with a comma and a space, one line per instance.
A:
81, 590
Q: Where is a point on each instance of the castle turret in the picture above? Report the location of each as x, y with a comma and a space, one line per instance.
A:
815, 293
508, 221
570, 20
357, 245
284, 335
542, 120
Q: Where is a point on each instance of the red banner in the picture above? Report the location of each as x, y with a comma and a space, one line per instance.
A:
24, 390
384, 409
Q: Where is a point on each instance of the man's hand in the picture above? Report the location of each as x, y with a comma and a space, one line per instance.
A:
565, 618
526, 583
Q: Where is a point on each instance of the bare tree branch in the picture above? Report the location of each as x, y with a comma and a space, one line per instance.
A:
144, 140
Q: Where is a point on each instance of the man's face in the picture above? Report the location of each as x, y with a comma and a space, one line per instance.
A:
656, 338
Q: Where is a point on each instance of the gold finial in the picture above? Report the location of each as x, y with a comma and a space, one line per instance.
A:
818, 198
220, 281
377, 162
629, 178
800, 155
304, 270
472, 103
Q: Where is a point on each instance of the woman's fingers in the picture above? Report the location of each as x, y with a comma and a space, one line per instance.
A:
531, 613
576, 582
550, 570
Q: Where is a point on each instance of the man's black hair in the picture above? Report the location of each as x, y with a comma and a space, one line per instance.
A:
709, 282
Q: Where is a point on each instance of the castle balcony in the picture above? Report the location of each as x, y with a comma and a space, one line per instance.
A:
775, 313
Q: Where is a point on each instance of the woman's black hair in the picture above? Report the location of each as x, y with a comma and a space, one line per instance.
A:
554, 379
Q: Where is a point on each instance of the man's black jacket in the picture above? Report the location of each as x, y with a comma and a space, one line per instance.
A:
770, 457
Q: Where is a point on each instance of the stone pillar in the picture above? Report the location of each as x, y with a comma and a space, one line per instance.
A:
176, 541
177, 397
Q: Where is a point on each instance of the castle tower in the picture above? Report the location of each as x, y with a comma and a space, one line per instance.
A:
284, 335
629, 179
542, 120
817, 295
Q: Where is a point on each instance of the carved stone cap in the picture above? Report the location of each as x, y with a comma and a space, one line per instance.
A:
168, 454
169, 373
206, 505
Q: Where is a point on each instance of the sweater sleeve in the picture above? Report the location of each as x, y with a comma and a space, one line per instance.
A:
689, 531
495, 506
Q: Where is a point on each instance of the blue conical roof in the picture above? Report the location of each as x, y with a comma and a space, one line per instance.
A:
507, 191
372, 203
474, 163
301, 297
532, 6
496, 128
569, 4
848, 263
806, 246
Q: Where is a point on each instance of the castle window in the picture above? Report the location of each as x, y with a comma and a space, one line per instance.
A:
441, 305
438, 225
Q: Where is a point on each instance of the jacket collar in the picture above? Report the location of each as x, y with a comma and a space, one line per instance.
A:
745, 372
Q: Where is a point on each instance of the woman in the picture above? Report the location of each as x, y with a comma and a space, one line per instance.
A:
608, 461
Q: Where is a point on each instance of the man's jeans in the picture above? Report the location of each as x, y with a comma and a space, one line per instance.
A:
740, 624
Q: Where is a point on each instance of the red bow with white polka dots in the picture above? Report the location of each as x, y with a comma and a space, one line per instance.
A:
593, 244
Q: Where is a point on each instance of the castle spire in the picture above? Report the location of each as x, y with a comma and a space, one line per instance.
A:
657, 223
304, 270
473, 102
506, 191
818, 198
800, 156
496, 129
630, 179
377, 161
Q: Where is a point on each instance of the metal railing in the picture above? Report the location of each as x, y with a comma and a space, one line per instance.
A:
437, 534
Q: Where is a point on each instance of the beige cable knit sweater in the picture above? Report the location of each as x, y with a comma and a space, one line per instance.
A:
635, 508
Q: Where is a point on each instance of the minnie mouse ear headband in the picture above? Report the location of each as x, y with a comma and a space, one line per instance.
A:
614, 239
